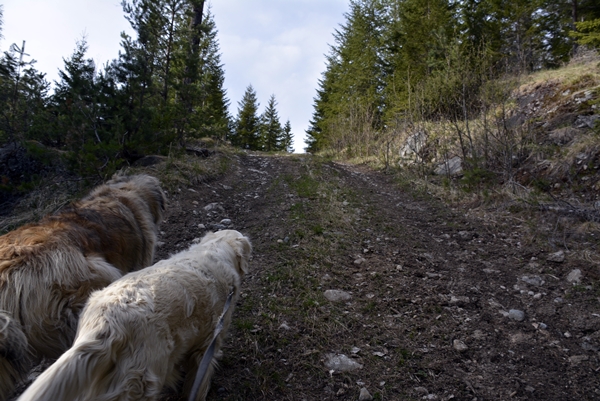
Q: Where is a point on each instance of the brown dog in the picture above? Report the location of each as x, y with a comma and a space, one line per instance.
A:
49, 269
144, 330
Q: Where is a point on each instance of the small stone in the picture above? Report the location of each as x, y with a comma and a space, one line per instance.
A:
537, 296
337, 295
478, 335
516, 314
466, 235
421, 390
460, 346
284, 326
341, 363
364, 395
575, 276
202, 226
567, 334
280, 241
211, 206
533, 280
225, 222
355, 350
577, 359
557, 257
359, 261
459, 301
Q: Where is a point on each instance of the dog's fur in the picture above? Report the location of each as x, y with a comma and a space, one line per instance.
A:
148, 328
49, 269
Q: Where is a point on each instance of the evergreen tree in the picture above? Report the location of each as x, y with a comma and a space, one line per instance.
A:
75, 102
23, 97
81, 123
270, 127
287, 139
350, 98
416, 39
246, 133
211, 106
588, 33
316, 134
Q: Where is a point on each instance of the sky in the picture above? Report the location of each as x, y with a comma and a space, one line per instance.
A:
277, 46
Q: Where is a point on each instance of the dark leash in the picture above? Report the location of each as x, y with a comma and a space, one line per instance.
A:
210, 351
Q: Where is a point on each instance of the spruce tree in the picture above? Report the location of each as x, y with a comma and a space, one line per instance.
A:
270, 127
287, 139
246, 133
211, 106
24, 96
75, 100
350, 98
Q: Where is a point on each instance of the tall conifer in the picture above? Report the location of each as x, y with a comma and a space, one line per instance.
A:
246, 132
270, 127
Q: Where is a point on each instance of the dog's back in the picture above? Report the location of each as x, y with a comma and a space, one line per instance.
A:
48, 269
136, 333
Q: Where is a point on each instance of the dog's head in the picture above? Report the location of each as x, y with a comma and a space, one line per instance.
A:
239, 243
147, 188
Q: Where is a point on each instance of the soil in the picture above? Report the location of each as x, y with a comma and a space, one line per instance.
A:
433, 291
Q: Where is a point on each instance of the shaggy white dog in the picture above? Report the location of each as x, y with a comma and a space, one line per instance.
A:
150, 327
49, 269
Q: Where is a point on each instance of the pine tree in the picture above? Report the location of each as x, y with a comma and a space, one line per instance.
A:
588, 33
211, 106
23, 97
246, 133
75, 101
416, 38
270, 127
287, 139
350, 98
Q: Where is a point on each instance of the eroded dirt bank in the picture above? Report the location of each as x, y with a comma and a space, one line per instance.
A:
441, 306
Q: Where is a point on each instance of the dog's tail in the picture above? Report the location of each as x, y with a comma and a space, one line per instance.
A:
74, 375
13, 354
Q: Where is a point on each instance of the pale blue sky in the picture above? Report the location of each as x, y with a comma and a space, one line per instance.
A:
278, 46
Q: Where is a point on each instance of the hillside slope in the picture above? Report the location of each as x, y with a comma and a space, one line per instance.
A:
434, 295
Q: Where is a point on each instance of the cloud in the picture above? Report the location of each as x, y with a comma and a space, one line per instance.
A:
279, 48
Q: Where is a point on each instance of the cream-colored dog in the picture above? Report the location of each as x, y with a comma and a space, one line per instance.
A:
150, 327
49, 269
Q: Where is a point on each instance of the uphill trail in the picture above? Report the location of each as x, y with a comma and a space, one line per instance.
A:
414, 299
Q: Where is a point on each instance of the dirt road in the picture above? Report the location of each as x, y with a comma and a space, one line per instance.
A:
427, 303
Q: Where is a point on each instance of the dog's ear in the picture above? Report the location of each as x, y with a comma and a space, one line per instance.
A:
243, 250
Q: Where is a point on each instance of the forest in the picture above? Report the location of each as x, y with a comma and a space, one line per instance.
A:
164, 92
395, 64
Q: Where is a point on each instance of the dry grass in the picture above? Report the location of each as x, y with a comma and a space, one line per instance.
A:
586, 65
